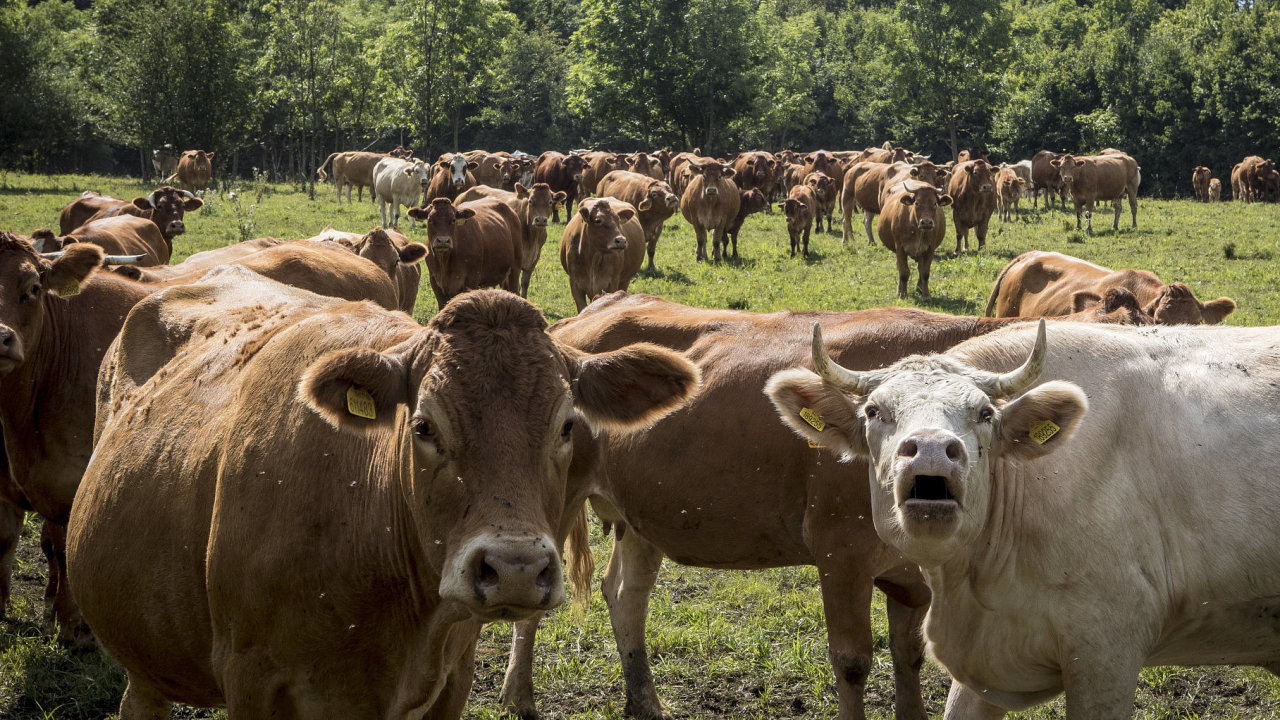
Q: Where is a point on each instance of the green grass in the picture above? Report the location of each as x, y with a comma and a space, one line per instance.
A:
723, 644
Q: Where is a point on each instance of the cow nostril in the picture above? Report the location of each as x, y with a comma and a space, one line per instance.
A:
486, 576
908, 448
546, 578
955, 450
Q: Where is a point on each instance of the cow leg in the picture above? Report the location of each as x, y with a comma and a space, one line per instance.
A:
11, 517
1133, 206
63, 611
846, 604
700, 252
866, 223
1088, 219
1117, 205
962, 235
906, 604
457, 686
517, 685
904, 274
965, 704
847, 215
143, 702
922, 267
981, 232
806, 241
651, 244
628, 581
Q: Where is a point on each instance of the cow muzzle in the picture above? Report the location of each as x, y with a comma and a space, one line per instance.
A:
459, 182
618, 243
540, 221
986, 188
673, 202
712, 191
11, 354
926, 223
501, 577
442, 242
177, 227
932, 464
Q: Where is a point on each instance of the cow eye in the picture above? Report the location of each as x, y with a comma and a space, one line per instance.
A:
986, 414
422, 428
567, 430
32, 293
871, 411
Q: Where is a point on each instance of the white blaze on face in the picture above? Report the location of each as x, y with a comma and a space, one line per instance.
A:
458, 169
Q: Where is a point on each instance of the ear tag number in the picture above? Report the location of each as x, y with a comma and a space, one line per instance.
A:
813, 418
1044, 430
816, 447
70, 288
460, 222
360, 403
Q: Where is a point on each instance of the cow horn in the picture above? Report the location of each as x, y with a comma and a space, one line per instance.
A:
188, 195
831, 372
1016, 381
151, 199
53, 255
122, 259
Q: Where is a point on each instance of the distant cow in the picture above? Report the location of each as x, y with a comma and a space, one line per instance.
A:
1215, 190
1044, 177
477, 244
599, 164
561, 173
644, 164
1255, 173
164, 161
977, 152
450, 176
195, 168
652, 197
913, 225
826, 191
710, 203
533, 207
1049, 284
1200, 176
749, 202
399, 182
756, 170
401, 152
164, 206
353, 169
595, 246
973, 192
799, 209
1100, 178
496, 170
1022, 169
1008, 193
866, 184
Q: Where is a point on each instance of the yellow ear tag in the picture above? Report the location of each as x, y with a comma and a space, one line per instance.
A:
559, 207
816, 447
813, 418
1043, 430
70, 288
360, 403
460, 222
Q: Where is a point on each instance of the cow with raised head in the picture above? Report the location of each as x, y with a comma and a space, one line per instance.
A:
496, 171
756, 170
399, 183
561, 173
973, 191
596, 245
826, 191
599, 164
650, 196
476, 244
822, 161
1200, 177
401, 152
354, 169
1090, 179
799, 209
533, 207
866, 184
1039, 283
1115, 516
1045, 179
709, 204
165, 206
332, 448
195, 169
452, 175
644, 164
913, 225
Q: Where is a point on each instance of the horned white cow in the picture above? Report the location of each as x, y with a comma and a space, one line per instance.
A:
399, 182
1149, 538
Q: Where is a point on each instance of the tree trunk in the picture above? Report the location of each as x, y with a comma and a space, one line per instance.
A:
142, 156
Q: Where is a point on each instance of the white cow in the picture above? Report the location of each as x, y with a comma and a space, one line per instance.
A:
1149, 538
399, 182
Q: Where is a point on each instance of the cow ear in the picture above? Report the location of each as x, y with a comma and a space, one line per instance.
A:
418, 213
1042, 420
355, 389
818, 412
78, 261
210, 155
645, 204
521, 191
497, 166
944, 200
915, 171
142, 203
412, 253
694, 168
564, 161
1216, 310
464, 214
1079, 163
473, 165
1083, 299
782, 206
1056, 163
970, 168
909, 199
192, 204
408, 170
630, 388
728, 172
560, 197
625, 214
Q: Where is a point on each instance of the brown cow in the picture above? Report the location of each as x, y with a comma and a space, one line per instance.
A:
354, 169
866, 184
496, 171
977, 152
652, 197
1044, 177
1237, 183
195, 168
756, 170
821, 161
644, 164
401, 152
1254, 173
599, 164
119, 235
534, 208
913, 225
799, 209
1215, 190
394, 488
675, 175
1047, 284
165, 206
595, 246
825, 190
750, 202
973, 191
710, 203
1008, 193
1200, 177
561, 173
1100, 177
474, 245
452, 175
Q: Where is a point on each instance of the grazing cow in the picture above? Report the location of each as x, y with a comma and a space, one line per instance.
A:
825, 190
354, 169
451, 176
1100, 177
1044, 177
1200, 176
533, 208
756, 170
391, 487
1022, 169
913, 225
652, 197
799, 209
709, 204
561, 173
866, 184
1046, 284
595, 247
1008, 193
1133, 545
749, 202
195, 168
118, 235
477, 244
973, 190
399, 182
1215, 190
165, 206
164, 161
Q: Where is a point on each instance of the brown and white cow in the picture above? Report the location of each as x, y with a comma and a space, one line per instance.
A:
1008, 193
533, 207
450, 176
595, 246
392, 488
1046, 284
165, 206
709, 204
399, 183
1200, 177
652, 197
1044, 178
1075, 531
562, 173
195, 169
477, 244
354, 168
913, 225
973, 192
1215, 190
1096, 178
799, 210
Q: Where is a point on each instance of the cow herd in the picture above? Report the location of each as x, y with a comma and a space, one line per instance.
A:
267, 488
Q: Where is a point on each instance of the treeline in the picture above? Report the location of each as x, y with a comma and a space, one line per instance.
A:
278, 84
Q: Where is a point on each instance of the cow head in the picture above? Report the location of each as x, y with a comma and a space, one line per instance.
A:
167, 206
664, 157
751, 201
1117, 306
824, 186
401, 152
981, 175
574, 164
931, 426
925, 203
199, 157
796, 212
382, 250
441, 220
487, 408
640, 162
511, 172
712, 173
659, 195
542, 202
927, 172
418, 170
819, 160
1067, 165
602, 227
457, 167
1177, 305
30, 281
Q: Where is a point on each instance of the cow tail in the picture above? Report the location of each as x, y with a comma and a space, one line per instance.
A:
995, 291
320, 173
582, 564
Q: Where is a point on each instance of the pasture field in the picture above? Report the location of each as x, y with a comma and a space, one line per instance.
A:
723, 644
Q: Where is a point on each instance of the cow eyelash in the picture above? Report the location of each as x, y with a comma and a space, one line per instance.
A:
32, 293
986, 415
871, 412
422, 428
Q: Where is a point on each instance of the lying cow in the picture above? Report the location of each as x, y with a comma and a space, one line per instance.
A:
1046, 284
332, 447
601, 249
1110, 176
533, 207
165, 206
1118, 516
117, 235
476, 244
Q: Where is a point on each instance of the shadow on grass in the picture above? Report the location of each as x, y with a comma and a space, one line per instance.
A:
37, 191
946, 304
668, 274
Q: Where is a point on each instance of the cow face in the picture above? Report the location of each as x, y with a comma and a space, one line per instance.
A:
640, 163
401, 152
28, 282
510, 171
712, 173
1068, 166
442, 219
1117, 306
603, 227
824, 187
796, 212
931, 427
418, 170
659, 195
457, 167
574, 164
925, 203
167, 206
981, 174
1177, 305
751, 201
542, 203
487, 408
382, 250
